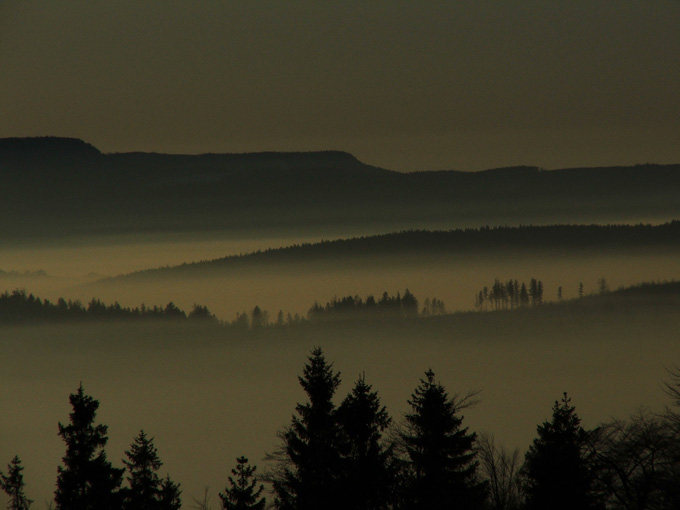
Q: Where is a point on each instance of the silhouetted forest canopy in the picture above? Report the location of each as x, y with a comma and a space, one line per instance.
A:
351, 454
510, 295
237, 192
20, 307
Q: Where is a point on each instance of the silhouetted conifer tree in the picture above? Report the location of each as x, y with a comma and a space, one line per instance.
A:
13, 485
523, 295
201, 312
258, 319
171, 311
86, 481
145, 492
556, 470
169, 496
409, 304
309, 462
533, 291
243, 492
441, 455
368, 476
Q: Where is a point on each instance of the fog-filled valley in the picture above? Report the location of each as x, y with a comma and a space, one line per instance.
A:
451, 266
427, 265
208, 395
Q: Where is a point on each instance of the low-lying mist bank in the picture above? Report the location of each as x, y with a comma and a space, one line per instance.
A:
208, 397
456, 280
449, 265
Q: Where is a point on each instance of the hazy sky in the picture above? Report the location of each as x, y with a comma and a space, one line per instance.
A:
401, 84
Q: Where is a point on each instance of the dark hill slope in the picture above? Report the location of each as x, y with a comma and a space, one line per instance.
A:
430, 245
58, 187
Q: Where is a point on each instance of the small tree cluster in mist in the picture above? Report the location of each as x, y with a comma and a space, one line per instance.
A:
19, 307
354, 455
406, 305
510, 295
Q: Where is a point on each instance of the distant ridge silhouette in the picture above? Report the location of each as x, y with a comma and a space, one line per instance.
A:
64, 186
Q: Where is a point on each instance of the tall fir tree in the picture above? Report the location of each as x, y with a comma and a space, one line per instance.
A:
145, 487
440, 452
556, 470
309, 462
86, 480
243, 492
367, 469
13, 485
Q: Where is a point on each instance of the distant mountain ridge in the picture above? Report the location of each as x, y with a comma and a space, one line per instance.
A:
62, 186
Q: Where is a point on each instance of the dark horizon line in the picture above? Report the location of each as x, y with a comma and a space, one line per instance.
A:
319, 152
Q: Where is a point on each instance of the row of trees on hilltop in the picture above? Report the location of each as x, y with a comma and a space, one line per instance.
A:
510, 295
354, 456
403, 306
18, 306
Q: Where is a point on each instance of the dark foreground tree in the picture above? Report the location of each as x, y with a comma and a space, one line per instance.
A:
558, 473
13, 485
147, 491
308, 465
86, 480
367, 473
243, 492
441, 456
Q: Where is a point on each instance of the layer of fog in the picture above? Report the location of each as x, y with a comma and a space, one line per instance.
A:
207, 399
293, 287
456, 280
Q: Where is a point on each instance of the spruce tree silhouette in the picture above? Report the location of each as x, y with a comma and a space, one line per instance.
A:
169, 497
367, 472
13, 485
146, 488
309, 463
243, 492
86, 481
556, 469
441, 455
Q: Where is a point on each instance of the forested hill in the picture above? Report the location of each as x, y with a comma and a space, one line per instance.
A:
424, 245
57, 186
